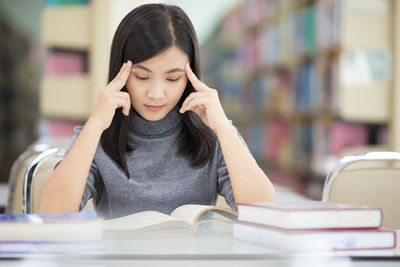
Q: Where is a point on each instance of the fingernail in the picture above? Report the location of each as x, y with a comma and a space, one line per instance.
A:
123, 65
128, 62
181, 110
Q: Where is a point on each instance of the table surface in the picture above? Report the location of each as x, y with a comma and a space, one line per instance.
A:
212, 245
209, 246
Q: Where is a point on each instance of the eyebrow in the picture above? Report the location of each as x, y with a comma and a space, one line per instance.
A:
138, 66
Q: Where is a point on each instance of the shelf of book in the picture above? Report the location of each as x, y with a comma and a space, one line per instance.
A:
290, 80
77, 37
66, 34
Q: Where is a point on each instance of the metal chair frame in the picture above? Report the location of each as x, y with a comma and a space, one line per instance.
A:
346, 161
17, 165
31, 171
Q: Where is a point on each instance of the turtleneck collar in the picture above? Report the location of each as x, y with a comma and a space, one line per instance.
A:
155, 129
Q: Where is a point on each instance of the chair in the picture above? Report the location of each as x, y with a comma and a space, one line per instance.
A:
371, 179
36, 174
16, 178
36, 169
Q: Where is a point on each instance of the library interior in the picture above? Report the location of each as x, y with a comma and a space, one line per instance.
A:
312, 86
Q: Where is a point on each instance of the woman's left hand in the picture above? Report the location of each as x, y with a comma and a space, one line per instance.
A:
205, 103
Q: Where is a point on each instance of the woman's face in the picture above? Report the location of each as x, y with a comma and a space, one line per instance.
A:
156, 85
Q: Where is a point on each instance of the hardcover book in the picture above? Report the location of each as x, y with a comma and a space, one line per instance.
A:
315, 239
310, 215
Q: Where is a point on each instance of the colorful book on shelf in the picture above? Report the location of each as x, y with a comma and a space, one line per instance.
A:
256, 140
344, 135
305, 87
309, 30
185, 217
277, 140
65, 2
327, 19
315, 239
310, 215
303, 139
259, 93
62, 128
68, 227
64, 63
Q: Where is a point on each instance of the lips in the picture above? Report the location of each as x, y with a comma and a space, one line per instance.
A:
154, 108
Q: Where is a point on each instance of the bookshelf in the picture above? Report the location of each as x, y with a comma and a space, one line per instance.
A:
65, 93
305, 83
395, 109
77, 37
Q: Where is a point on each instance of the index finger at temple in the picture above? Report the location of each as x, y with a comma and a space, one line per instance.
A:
123, 75
197, 84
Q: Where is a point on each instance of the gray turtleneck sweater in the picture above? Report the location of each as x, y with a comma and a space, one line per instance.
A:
160, 178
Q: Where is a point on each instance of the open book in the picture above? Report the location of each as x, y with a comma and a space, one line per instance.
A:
184, 217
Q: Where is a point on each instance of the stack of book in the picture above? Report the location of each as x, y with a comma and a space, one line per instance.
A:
41, 233
312, 226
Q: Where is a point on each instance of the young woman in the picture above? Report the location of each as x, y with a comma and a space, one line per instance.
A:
158, 137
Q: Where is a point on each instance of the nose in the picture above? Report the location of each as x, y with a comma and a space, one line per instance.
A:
156, 91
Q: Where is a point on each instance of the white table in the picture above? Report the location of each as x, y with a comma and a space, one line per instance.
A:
205, 248
212, 246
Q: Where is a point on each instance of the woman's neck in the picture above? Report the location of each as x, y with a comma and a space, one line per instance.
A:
155, 129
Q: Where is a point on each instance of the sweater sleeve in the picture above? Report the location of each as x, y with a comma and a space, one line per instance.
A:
224, 182
91, 187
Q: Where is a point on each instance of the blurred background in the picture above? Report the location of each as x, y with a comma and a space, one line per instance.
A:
305, 81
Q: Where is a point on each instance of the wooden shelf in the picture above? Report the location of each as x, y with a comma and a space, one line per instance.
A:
67, 27
65, 97
77, 28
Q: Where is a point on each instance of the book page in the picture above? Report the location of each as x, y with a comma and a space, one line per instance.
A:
191, 212
142, 220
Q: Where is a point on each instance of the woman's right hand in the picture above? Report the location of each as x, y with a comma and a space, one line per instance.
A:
110, 98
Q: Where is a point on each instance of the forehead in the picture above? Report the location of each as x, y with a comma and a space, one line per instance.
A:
171, 58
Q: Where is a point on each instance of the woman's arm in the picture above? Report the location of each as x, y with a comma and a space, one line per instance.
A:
249, 182
63, 190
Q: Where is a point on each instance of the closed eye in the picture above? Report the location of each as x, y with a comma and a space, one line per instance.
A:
173, 80
141, 77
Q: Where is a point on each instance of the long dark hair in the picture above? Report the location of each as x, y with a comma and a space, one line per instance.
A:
145, 32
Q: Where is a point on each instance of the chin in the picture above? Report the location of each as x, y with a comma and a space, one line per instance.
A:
153, 116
